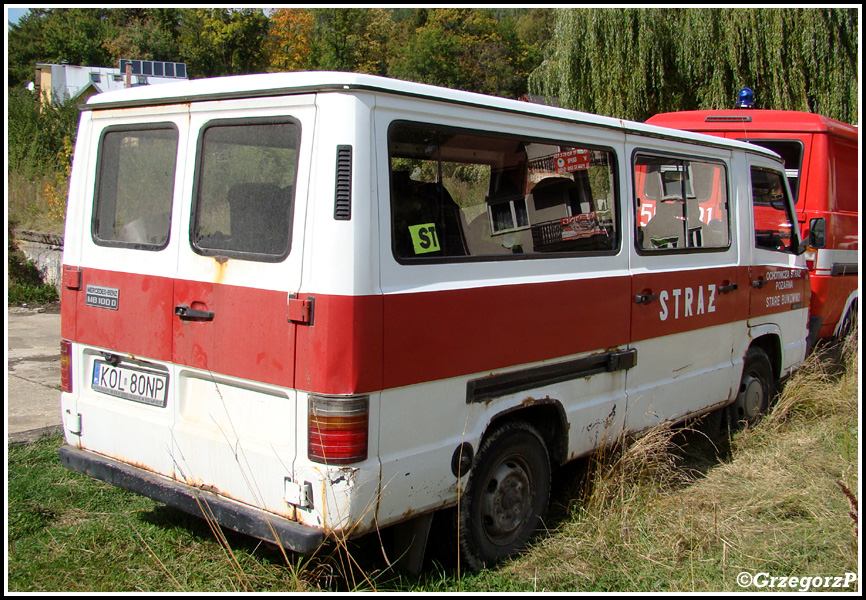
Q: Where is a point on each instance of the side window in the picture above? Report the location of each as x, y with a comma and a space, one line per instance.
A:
245, 189
457, 193
791, 152
680, 204
134, 187
774, 221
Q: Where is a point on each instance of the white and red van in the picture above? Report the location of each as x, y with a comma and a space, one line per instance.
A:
821, 162
311, 305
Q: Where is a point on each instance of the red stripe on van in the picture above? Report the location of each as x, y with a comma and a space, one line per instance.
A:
249, 336
140, 325
681, 301
341, 352
777, 289
437, 335
361, 344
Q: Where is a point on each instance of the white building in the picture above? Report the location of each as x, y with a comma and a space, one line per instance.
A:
56, 83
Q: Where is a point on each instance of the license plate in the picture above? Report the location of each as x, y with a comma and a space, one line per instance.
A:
138, 385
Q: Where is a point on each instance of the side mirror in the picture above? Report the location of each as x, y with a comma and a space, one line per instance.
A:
818, 233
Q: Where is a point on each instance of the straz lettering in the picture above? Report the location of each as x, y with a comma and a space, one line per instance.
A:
687, 302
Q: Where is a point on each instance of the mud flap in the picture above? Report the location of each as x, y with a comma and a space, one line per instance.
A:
410, 542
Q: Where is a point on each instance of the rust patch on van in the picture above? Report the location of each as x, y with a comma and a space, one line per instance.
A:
530, 401
603, 423
221, 263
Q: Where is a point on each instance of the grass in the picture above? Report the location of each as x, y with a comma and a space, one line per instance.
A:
677, 510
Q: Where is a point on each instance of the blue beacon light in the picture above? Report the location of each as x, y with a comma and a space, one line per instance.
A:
746, 98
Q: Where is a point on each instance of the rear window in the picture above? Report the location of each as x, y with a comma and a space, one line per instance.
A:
459, 194
134, 188
245, 189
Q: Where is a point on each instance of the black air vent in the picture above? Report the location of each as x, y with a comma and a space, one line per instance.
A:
343, 191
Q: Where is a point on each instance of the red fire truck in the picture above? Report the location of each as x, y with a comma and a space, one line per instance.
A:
821, 163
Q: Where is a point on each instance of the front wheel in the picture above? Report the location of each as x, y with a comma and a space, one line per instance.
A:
506, 497
757, 386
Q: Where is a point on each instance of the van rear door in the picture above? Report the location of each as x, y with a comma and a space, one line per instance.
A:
123, 230
239, 267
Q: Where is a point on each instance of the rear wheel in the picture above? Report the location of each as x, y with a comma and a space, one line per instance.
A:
756, 390
849, 322
506, 497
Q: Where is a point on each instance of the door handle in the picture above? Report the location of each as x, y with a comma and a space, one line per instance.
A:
729, 287
759, 283
191, 314
645, 298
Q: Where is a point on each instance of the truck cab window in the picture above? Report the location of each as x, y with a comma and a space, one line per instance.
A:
774, 222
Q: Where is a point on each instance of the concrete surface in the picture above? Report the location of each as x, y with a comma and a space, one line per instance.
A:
32, 372
45, 250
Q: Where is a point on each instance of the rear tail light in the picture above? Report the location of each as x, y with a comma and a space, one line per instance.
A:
66, 366
338, 429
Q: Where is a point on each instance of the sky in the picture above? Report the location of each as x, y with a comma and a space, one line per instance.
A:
13, 14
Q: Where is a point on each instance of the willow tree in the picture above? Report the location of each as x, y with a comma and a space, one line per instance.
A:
633, 63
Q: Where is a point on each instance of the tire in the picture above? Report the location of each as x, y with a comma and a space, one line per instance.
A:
506, 495
849, 322
757, 387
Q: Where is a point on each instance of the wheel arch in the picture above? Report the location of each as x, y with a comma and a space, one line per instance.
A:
770, 341
546, 416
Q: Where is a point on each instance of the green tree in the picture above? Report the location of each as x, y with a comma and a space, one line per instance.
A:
24, 47
462, 48
38, 136
353, 39
143, 33
633, 63
74, 35
617, 62
223, 41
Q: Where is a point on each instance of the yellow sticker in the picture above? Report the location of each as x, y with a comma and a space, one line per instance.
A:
424, 238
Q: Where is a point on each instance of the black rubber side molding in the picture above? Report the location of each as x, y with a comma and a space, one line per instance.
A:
228, 513
493, 386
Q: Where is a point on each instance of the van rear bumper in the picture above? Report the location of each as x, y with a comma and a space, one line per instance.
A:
228, 513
